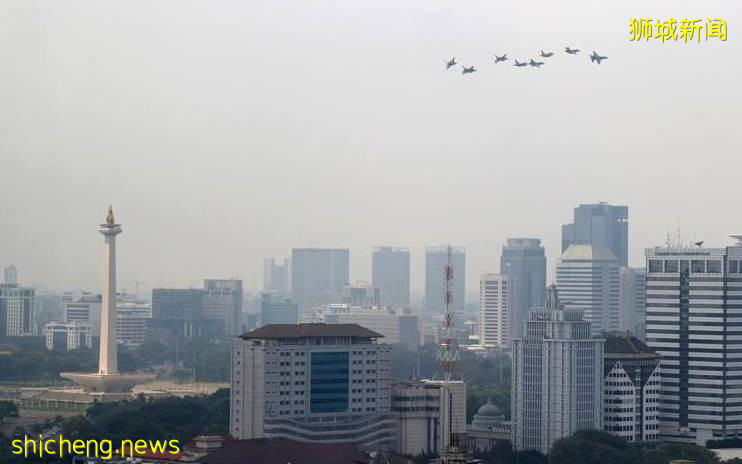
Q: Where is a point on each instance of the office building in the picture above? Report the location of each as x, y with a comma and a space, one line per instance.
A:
631, 388
322, 383
600, 224
178, 312
276, 275
132, 320
82, 307
694, 322
587, 278
497, 303
428, 413
391, 275
68, 336
275, 309
361, 294
318, 276
632, 300
435, 279
557, 380
17, 311
394, 324
524, 260
10, 275
223, 302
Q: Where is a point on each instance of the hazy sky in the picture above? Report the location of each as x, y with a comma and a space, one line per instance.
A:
226, 131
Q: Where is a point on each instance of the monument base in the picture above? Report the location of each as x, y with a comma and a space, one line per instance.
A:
107, 383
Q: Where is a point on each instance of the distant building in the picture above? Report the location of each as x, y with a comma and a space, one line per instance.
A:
391, 275
321, 383
393, 324
487, 428
132, 319
557, 379
632, 300
261, 451
223, 302
17, 311
497, 303
82, 307
587, 278
435, 282
600, 224
276, 276
428, 412
524, 261
275, 309
361, 294
318, 275
694, 322
10, 275
68, 336
179, 312
631, 388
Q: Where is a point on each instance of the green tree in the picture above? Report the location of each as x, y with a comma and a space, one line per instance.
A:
7, 409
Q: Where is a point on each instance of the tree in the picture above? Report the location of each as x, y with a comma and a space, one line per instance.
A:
7, 409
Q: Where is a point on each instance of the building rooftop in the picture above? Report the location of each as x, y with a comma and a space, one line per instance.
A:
489, 409
314, 330
273, 451
588, 252
624, 343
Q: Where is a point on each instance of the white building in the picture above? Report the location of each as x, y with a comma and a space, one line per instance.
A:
68, 336
587, 278
325, 383
17, 311
557, 380
428, 412
10, 275
132, 318
82, 307
631, 388
694, 322
497, 305
396, 326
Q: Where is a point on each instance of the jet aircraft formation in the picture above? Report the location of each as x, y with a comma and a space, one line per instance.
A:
594, 57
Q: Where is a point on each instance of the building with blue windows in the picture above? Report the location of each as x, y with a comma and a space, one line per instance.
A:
324, 383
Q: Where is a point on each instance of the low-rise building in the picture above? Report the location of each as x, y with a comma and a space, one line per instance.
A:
68, 336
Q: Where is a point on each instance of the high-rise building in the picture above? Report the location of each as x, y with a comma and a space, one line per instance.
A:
557, 380
318, 275
17, 311
82, 307
132, 320
429, 413
10, 275
587, 278
68, 336
391, 275
276, 276
361, 294
600, 224
694, 322
631, 388
497, 302
632, 300
223, 302
178, 311
396, 326
275, 309
524, 260
322, 383
435, 279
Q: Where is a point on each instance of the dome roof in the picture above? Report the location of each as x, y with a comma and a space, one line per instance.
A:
489, 409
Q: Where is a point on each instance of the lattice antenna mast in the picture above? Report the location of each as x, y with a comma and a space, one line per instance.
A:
448, 355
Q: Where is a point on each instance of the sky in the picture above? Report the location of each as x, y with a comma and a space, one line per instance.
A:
227, 131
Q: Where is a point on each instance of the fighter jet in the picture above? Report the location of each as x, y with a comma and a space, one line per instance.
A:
501, 58
596, 57
468, 70
535, 64
452, 62
546, 54
519, 64
572, 51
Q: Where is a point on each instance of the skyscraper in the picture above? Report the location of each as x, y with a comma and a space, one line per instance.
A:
600, 224
524, 260
178, 311
632, 300
318, 275
223, 302
694, 322
557, 381
275, 309
497, 303
587, 278
276, 276
435, 279
10, 275
391, 275
322, 383
17, 311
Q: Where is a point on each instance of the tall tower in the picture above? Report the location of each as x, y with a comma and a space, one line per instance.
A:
448, 354
108, 360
